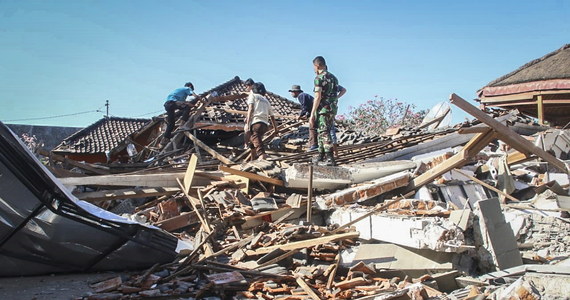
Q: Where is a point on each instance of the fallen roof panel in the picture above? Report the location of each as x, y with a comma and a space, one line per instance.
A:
44, 229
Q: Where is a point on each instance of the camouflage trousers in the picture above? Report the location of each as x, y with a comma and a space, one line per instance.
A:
325, 121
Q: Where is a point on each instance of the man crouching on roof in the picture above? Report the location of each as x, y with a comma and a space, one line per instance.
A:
259, 112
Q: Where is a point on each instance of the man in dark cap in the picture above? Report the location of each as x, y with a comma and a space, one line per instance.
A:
306, 102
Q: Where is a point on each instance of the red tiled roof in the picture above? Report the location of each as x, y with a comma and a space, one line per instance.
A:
103, 135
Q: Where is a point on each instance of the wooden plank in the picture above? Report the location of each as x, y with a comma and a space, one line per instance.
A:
277, 259
487, 185
204, 222
301, 282
65, 160
189, 175
174, 223
477, 129
508, 135
206, 148
147, 180
252, 176
304, 243
127, 194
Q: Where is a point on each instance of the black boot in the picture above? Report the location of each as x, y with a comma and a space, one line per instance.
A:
330, 159
318, 158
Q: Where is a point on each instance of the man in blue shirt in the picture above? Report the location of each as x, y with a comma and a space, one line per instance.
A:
177, 106
306, 102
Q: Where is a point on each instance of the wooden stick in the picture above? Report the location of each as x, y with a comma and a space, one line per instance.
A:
487, 185
366, 215
310, 195
301, 282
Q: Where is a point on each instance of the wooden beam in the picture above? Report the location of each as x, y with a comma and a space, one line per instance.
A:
252, 176
189, 175
301, 282
478, 142
304, 243
127, 194
205, 225
65, 160
540, 109
508, 135
206, 148
145, 180
470, 130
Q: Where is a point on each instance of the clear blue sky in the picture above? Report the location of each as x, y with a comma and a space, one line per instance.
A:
68, 56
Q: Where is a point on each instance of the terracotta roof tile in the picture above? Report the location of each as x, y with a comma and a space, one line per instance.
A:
103, 135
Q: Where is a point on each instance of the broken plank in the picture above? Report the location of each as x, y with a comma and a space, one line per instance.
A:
180, 221
189, 175
127, 194
301, 282
252, 176
84, 166
206, 148
304, 243
146, 180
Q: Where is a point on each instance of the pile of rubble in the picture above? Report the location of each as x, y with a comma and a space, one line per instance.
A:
471, 212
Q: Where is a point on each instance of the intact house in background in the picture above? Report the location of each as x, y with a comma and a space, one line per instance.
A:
540, 88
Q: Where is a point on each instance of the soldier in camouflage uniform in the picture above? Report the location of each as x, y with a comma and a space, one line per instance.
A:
324, 109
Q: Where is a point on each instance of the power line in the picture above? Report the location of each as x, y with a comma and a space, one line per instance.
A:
53, 117
150, 113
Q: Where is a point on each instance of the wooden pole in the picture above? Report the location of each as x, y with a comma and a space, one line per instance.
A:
487, 185
310, 195
540, 109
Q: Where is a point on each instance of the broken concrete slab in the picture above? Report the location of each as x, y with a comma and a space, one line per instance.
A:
496, 235
433, 233
394, 257
331, 178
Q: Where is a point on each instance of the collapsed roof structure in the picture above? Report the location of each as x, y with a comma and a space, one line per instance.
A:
417, 213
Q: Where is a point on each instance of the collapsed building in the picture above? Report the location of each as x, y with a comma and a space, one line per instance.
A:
478, 210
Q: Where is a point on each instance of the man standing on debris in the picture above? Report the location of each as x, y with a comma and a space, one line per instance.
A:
324, 110
259, 113
177, 106
306, 102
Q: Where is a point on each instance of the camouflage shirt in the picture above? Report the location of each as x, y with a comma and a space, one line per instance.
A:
327, 84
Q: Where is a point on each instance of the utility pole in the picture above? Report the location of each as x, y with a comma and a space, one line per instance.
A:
107, 105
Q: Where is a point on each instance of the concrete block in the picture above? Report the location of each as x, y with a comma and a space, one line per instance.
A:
497, 236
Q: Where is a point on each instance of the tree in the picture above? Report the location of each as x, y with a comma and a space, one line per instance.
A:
379, 114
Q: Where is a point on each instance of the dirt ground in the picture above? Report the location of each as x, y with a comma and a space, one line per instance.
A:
64, 287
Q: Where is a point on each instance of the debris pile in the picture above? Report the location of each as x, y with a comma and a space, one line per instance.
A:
453, 213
